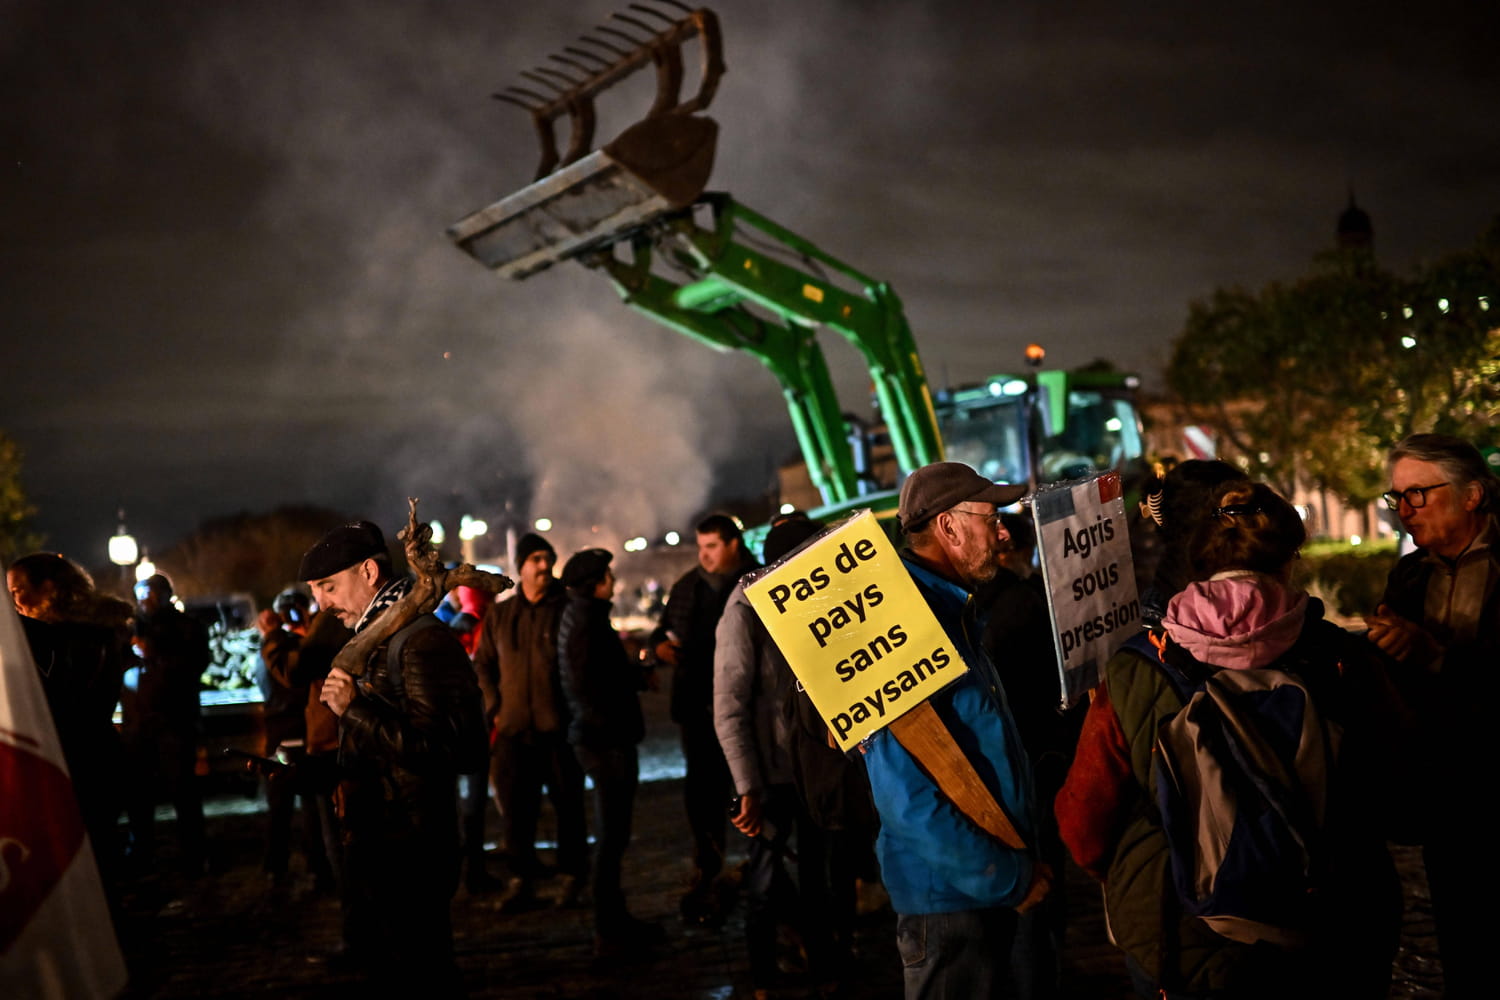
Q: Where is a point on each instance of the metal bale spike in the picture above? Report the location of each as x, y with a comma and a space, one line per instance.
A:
583, 54
536, 77
635, 42
653, 12
584, 201
528, 94
603, 44
650, 31
513, 100
559, 74
572, 64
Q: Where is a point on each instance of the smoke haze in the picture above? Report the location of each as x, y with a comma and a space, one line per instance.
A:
229, 286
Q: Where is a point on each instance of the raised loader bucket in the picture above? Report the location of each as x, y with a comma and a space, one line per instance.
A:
656, 166
584, 200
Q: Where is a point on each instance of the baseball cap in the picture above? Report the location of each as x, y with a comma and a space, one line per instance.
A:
940, 486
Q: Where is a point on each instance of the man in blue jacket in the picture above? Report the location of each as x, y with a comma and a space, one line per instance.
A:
955, 888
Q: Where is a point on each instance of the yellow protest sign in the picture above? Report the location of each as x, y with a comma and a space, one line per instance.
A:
855, 629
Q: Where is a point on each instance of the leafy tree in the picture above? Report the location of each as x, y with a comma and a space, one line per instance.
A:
1312, 381
16, 537
257, 554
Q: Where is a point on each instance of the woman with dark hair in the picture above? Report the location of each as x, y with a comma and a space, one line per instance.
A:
1177, 504
1439, 621
78, 638
51, 588
1241, 613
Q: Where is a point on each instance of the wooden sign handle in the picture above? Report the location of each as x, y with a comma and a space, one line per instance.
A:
927, 739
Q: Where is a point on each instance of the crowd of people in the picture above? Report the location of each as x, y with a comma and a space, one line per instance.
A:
1238, 716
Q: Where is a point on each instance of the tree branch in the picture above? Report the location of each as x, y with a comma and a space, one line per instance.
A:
432, 583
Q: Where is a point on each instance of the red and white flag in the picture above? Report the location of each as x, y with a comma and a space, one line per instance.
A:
56, 938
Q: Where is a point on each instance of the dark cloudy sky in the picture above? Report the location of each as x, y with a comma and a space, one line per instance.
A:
225, 283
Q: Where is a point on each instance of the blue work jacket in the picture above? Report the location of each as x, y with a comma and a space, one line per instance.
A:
932, 858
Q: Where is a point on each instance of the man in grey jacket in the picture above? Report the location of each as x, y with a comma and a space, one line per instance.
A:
750, 676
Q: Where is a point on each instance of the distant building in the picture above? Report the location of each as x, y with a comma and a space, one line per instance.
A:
1175, 432
1354, 230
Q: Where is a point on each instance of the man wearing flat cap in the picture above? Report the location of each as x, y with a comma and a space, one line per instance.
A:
955, 888
403, 731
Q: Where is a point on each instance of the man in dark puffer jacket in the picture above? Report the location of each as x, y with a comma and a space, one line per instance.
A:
601, 684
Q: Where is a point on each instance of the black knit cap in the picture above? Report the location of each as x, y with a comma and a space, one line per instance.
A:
586, 568
787, 532
158, 583
344, 546
529, 543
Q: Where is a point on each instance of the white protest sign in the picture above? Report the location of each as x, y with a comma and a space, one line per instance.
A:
1090, 576
855, 629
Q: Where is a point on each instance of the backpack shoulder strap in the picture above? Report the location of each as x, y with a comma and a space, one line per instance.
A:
1140, 642
397, 646
1141, 645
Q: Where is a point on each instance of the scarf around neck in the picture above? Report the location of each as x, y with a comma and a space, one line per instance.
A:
388, 595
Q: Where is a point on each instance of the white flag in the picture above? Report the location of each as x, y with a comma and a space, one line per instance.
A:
56, 938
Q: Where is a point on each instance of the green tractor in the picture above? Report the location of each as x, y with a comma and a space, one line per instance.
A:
708, 267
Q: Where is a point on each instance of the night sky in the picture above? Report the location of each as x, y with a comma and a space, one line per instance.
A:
226, 285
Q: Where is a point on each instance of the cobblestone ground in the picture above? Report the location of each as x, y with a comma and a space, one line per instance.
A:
231, 934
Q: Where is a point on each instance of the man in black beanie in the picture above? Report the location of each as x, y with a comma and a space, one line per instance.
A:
402, 735
516, 662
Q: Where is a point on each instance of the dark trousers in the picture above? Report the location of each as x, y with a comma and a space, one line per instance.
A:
97, 784
283, 791
520, 766
706, 791
956, 956
474, 799
321, 779
773, 899
830, 864
1462, 891
165, 762
1036, 955
615, 773
401, 862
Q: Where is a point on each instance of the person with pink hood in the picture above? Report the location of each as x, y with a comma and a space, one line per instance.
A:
1240, 612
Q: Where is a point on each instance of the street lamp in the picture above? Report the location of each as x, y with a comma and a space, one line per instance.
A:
122, 548
123, 551
470, 528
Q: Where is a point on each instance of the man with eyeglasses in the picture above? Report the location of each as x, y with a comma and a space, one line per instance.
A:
1440, 623
956, 890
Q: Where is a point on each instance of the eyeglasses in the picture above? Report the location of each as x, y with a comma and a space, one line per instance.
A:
993, 518
1415, 497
